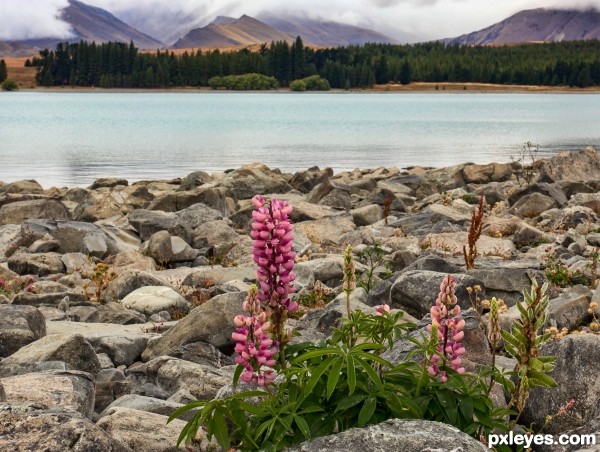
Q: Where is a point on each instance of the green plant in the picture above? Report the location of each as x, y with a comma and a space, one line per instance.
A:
523, 343
526, 160
373, 257
101, 278
560, 275
10, 85
474, 234
342, 383
317, 297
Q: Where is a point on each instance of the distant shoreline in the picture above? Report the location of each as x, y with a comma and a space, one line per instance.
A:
415, 87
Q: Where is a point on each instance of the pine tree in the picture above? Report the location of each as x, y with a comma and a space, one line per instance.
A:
3, 71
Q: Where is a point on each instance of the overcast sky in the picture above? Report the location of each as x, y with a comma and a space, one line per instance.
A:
423, 19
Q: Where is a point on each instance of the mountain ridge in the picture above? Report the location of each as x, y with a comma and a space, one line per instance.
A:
536, 25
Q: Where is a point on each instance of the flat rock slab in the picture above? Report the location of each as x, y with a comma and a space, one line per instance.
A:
69, 390
154, 299
148, 404
53, 432
395, 435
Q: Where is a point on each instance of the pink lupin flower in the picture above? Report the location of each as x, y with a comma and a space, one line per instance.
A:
254, 345
382, 309
444, 314
272, 252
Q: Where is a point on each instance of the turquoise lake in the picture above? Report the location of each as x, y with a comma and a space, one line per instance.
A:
68, 139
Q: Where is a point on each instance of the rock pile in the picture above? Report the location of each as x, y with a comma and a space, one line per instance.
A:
117, 300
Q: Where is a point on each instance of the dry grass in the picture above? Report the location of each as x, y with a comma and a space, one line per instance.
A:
477, 87
24, 76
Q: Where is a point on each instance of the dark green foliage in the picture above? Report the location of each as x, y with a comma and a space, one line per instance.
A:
565, 64
3, 71
9, 85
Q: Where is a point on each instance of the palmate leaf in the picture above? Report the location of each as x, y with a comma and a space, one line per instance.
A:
317, 353
350, 401
372, 374
448, 402
316, 376
351, 373
219, 429
184, 409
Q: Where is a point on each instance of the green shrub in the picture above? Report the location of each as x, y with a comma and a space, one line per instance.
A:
10, 85
298, 85
251, 81
312, 83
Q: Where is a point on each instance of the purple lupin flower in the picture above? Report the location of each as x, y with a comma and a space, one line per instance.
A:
254, 346
444, 314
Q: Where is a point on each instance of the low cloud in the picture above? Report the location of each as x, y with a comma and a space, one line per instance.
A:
32, 19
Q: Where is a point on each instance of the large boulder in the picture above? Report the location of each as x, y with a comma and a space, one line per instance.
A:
305, 181
116, 313
580, 166
17, 212
10, 235
148, 222
29, 186
68, 390
40, 264
103, 203
483, 174
24, 430
198, 214
211, 322
253, 179
415, 291
20, 326
576, 374
396, 435
327, 231
453, 242
71, 349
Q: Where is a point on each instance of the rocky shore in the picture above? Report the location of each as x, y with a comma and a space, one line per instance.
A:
116, 301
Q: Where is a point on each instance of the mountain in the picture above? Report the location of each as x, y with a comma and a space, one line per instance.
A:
537, 25
325, 33
16, 49
95, 24
226, 32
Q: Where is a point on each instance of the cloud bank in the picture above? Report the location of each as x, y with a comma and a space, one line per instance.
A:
169, 19
30, 19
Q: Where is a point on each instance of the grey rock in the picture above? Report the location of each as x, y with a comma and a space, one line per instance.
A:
94, 244
202, 353
210, 322
527, 235
127, 282
532, 205
77, 262
148, 404
20, 326
253, 179
182, 252
153, 299
110, 385
483, 174
570, 309
577, 360
68, 390
198, 214
215, 275
116, 313
10, 236
123, 349
305, 181
395, 435
50, 299
217, 198
149, 222
366, 215
54, 431
72, 349
29, 186
543, 188
159, 247
216, 233
108, 182
194, 180
415, 291
17, 212
580, 166
42, 264
126, 425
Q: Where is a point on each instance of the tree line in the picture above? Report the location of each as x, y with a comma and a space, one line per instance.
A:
115, 64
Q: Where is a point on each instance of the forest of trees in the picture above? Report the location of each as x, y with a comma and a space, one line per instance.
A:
122, 65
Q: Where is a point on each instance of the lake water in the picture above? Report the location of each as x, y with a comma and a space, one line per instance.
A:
73, 138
